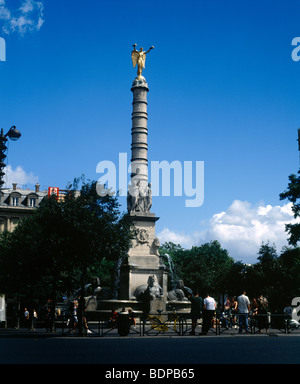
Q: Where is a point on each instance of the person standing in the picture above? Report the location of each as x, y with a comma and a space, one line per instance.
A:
26, 318
34, 319
227, 313
209, 306
113, 320
288, 311
234, 311
74, 315
262, 314
244, 310
131, 316
48, 320
196, 310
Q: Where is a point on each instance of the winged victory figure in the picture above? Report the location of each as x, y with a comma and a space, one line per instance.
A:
139, 59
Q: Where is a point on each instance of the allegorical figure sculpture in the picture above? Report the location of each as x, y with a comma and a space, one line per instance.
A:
139, 59
139, 199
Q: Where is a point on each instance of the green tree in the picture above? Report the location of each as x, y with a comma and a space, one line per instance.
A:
237, 279
202, 268
293, 195
290, 275
266, 275
170, 248
60, 246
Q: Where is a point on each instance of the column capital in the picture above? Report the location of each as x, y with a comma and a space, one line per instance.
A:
139, 82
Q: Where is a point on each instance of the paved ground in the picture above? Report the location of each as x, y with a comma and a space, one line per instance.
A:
41, 348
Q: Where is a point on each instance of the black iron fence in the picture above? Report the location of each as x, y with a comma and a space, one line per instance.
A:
257, 323
176, 324
171, 324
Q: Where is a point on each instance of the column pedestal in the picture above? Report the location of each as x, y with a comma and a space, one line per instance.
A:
143, 259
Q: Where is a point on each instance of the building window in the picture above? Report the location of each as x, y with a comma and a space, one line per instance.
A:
15, 201
32, 202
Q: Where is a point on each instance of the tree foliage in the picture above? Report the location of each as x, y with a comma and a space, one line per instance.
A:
63, 243
293, 195
202, 268
210, 268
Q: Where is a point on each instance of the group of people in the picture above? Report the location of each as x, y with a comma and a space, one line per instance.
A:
30, 321
202, 308
114, 316
73, 319
234, 308
236, 313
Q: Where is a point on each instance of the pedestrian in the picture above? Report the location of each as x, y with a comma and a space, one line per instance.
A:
227, 313
209, 308
234, 310
262, 312
288, 311
131, 316
196, 309
34, 319
113, 320
244, 310
26, 318
227, 306
254, 312
254, 307
74, 317
85, 324
48, 320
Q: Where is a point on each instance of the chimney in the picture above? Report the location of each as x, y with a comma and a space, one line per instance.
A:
14, 186
37, 187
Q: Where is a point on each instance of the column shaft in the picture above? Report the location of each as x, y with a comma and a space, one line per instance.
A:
139, 132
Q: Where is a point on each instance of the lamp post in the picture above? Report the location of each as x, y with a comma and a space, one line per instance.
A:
13, 134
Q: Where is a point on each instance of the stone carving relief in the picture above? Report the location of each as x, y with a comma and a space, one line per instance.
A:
141, 237
139, 199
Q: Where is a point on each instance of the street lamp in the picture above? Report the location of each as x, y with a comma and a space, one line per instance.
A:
13, 134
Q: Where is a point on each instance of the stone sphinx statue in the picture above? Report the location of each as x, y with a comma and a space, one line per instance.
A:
99, 293
150, 291
178, 292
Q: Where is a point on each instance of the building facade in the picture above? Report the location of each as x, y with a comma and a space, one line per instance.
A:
16, 203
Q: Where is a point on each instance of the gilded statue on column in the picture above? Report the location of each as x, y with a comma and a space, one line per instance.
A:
139, 59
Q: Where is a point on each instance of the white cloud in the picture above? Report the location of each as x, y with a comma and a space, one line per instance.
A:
19, 176
186, 241
27, 18
4, 12
241, 229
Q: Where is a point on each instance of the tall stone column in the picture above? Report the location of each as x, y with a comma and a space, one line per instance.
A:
139, 190
139, 131
143, 257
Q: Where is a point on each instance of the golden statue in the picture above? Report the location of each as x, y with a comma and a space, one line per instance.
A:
139, 58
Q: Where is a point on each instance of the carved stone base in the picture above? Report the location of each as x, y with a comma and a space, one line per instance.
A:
143, 259
157, 304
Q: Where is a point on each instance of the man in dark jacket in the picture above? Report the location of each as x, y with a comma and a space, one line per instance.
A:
196, 309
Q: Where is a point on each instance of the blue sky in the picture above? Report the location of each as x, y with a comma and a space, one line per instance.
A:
223, 90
